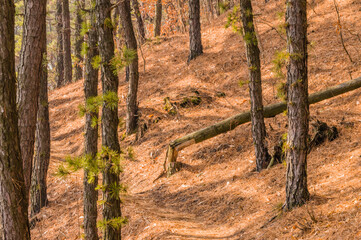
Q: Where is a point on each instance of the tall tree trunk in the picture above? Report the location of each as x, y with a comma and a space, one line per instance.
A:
42, 143
59, 78
14, 223
111, 208
131, 43
79, 39
140, 23
255, 86
91, 134
195, 37
298, 111
158, 18
30, 72
66, 43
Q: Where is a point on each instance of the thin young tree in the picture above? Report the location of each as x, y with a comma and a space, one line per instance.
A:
14, 223
91, 132
131, 44
79, 39
255, 85
59, 77
68, 74
38, 194
158, 18
195, 37
109, 122
297, 104
140, 23
30, 72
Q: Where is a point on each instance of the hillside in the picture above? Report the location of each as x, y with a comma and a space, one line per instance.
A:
217, 195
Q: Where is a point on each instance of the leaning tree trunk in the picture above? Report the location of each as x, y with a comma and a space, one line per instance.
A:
59, 77
298, 109
14, 223
79, 39
66, 43
111, 207
255, 86
140, 23
195, 37
231, 123
158, 18
91, 134
131, 43
38, 193
30, 71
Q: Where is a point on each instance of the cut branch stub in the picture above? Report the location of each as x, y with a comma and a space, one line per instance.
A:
234, 121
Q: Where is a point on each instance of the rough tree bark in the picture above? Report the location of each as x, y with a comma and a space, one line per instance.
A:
59, 78
91, 134
67, 43
30, 71
14, 223
234, 121
131, 43
255, 86
38, 194
158, 18
111, 208
140, 23
297, 104
195, 37
78, 69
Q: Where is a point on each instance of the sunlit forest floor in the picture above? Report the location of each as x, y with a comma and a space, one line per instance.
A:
217, 195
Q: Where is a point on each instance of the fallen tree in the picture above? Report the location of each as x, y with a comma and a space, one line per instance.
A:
171, 165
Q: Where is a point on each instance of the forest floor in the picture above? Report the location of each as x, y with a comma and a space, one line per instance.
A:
217, 195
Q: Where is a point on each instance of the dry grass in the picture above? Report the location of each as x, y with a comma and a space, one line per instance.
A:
217, 195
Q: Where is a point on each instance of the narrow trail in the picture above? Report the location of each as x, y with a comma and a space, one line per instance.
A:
217, 195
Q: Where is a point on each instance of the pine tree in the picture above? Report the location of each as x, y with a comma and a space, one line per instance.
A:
30, 71
195, 37
79, 39
255, 85
140, 23
38, 194
131, 44
68, 74
91, 132
14, 223
297, 104
111, 207
158, 18
59, 78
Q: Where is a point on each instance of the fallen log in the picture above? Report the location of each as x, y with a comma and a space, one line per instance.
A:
171, 165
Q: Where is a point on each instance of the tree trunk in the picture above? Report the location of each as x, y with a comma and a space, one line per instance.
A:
91, 135
158, 18
195, 37
78, 71
30, 71
66, 43
181, 20
255, 86
59, 77
297, 105
131, 43
111, 208
42, 143
140, 23
14, 223
234, 121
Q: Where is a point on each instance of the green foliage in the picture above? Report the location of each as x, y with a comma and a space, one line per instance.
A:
108, 23
224, 6
111, 99
84, 48
62, 172
96, 61
234, 21
281, 91
250, 38
131, 153
115, 223
122, 59
85, 27
279, 62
